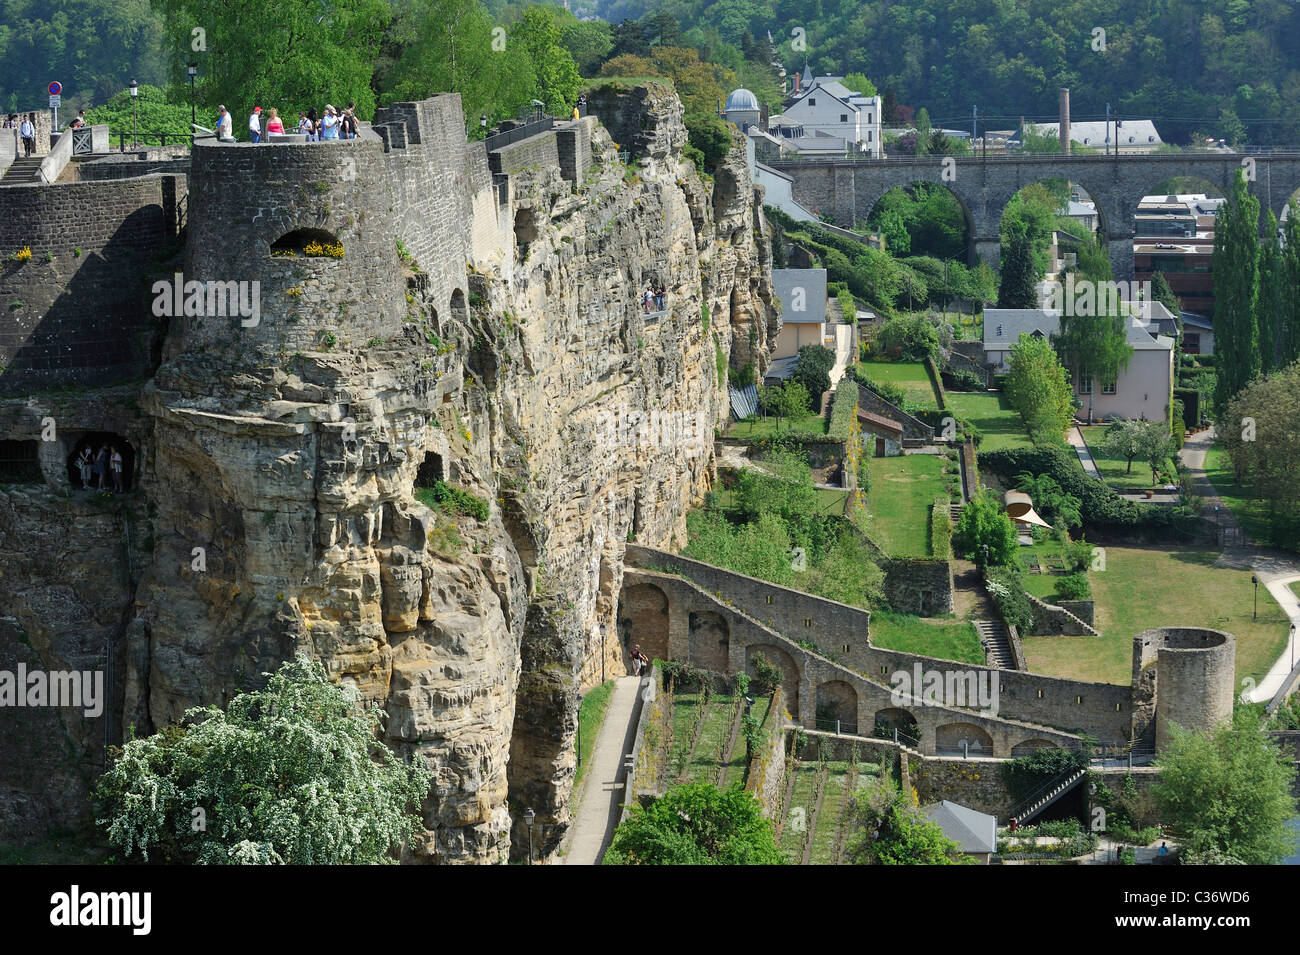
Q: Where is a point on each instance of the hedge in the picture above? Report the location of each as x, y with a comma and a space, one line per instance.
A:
844, 408
941, 529
1098, 503
1013, 603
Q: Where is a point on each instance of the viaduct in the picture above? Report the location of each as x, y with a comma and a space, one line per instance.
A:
849, 189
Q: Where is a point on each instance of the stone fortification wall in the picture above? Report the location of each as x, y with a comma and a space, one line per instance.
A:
77, 312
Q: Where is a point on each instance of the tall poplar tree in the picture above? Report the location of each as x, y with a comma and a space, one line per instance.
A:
1017, 288
1269, 303
1289, 310
1236, 290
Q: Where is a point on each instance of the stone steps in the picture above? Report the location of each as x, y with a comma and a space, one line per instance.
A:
24, 170
997, 643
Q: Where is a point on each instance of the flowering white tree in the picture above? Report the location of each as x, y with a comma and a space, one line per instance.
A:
292, 774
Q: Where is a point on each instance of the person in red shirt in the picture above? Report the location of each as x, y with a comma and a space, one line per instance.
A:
273, 125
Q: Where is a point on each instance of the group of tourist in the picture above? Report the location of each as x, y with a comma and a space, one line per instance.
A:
99, 466
332, 124
26, 127
653, 298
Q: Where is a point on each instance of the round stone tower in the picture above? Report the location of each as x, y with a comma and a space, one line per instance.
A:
299, 237
1194, 678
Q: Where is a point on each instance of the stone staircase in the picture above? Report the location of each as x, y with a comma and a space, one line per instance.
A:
954, 511
24, 170
997, 643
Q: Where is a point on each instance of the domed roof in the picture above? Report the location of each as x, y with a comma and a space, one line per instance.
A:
742, 99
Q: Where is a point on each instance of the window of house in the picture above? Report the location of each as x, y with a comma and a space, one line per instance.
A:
868, 135
844, 117
1108, 388
812, 102
1085, 385
1192, 343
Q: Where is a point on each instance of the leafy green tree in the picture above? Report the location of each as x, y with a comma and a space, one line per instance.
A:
1032, 141
156, 115
696, 824
1236, 291
1258, 430
1124, 439
1227, 792
916, 335
847, 574
812, 367
556, 78
589, 42
888, 828
984, 523
446, 46
1017, 288
859, 83
788, 399
1163, 293
290, 774
1157, 445
293, 54
1038, 387
923, 130
1093, 347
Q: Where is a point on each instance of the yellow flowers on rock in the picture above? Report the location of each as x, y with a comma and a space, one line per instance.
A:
324, 249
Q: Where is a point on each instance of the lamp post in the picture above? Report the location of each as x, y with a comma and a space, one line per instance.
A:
1292, 646
135, 105
985, 549
482, 123
579, 730
529, 816
192, 71
1255, 580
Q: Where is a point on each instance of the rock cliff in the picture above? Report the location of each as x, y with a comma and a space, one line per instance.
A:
498, 344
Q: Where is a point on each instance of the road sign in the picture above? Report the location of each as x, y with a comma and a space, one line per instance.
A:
55, 101
56, 88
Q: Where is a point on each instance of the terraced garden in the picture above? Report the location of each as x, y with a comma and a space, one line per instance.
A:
813, 826
910, 376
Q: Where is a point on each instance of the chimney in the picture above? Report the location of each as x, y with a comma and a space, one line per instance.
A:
1065, 120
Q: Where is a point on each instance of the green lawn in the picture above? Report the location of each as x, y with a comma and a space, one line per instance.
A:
1114, 469
1045, 555
993, 415
1141, 588
760, 428
1250, 512
899, 497
910, 376
947, 639
590, 715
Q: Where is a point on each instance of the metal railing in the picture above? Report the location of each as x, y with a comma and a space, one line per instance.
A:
1278, 152
510, 136
127, 141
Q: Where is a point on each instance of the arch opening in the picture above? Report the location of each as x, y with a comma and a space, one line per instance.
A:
962, 739
643, 619
709, 640
837, 707
101, 469
894, 718
20, 462
308, 242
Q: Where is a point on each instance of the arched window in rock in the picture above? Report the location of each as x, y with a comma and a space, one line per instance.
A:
101, 469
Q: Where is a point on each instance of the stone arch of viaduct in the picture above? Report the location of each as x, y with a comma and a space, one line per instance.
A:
848, 189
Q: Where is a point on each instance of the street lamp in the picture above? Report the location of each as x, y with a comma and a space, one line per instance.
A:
1255, 580
985, 549
529, 816
482, 122
135, 103
1292, 646
192, 71
579, 730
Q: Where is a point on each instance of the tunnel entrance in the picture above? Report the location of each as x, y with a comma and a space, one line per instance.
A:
431, 471
93, 443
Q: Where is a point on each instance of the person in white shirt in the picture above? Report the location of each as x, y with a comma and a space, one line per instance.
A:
224, 125
255, 125
28, 133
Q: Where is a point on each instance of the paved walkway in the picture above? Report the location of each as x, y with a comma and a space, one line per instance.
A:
1075, 437
1276, 569
601, 800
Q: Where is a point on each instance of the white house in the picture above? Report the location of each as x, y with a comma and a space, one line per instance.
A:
802, 294
1129, 136
1142, 390
826, 107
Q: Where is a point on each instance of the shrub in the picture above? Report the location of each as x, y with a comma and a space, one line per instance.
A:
1012, 601
1074, 587
1025, 774
696, 824
452, 500
963, 380
813, 367
844, 409
767, 676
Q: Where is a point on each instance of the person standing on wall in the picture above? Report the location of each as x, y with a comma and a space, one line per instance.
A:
255, 125
329, 124
28, 132
225, 127
274, 125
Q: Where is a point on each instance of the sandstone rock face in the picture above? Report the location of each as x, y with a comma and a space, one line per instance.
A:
499, 345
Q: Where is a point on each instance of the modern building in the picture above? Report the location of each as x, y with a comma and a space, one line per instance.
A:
802, 294
824, 107
1198, 334
1175, 236
1142, 389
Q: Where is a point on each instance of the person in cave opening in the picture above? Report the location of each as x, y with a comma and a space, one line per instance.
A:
115, 465
639, 660
84, 464
101, 466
